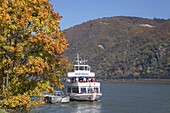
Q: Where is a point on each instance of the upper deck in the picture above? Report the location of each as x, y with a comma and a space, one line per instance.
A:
80, 69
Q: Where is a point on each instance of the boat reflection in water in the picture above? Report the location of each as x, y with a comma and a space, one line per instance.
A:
86, 107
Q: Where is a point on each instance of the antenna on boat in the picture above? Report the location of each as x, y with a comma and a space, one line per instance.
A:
84, 61
78, 58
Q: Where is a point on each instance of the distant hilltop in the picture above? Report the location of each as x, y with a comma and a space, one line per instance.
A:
123, 47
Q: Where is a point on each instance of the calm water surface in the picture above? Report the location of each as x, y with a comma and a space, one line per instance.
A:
119, 98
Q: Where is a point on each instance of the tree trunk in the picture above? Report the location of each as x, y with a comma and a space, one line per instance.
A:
7, 84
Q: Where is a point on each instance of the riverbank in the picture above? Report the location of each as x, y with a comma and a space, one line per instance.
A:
158, 81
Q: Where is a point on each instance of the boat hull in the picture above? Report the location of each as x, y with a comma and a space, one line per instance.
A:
86, 97
55, 99
65, 99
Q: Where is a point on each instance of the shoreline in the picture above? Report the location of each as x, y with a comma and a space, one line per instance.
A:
157, 81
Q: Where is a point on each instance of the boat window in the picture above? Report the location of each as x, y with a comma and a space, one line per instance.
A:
87, 68
83, 90
97, 89
69, 89
89, 90
81, 68
75, 90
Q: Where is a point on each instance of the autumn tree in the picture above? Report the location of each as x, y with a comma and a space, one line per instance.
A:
31, 51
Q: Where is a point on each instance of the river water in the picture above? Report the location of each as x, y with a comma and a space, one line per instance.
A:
119, 98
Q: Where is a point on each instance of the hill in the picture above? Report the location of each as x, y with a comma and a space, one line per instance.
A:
123, 47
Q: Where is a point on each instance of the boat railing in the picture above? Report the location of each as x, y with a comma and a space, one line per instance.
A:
83, 81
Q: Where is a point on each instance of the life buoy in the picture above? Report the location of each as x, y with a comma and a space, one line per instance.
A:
94, 91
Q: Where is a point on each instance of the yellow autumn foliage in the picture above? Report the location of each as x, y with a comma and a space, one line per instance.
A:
31, 49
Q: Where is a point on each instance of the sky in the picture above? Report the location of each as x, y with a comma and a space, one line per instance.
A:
75, 12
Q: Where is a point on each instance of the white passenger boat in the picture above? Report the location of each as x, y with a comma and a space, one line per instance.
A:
80, 84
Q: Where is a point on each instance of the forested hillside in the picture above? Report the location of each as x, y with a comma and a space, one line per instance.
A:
123, 47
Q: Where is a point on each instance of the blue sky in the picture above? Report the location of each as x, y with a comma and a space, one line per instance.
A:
78, 11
